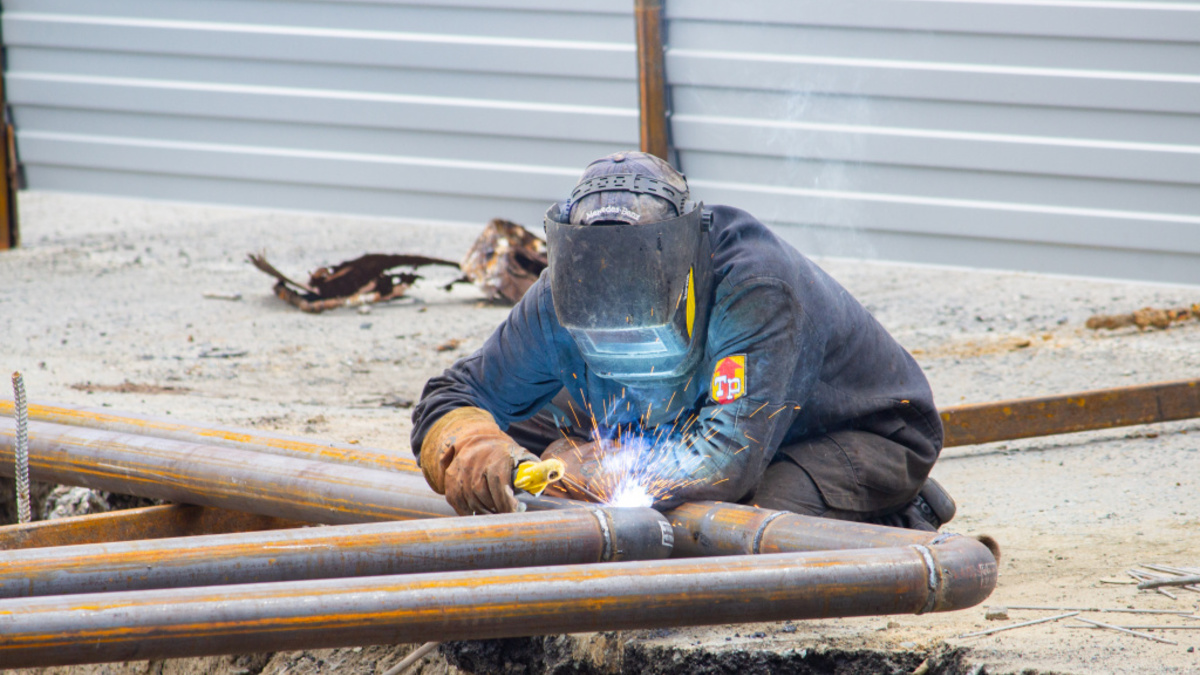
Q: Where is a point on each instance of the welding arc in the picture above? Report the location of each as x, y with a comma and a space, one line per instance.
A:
158, 624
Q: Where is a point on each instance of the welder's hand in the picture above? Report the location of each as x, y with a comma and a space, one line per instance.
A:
466, 457
583, 479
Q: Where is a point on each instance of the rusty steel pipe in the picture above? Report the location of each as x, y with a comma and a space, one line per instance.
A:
564, 537
223, 436
190, 473
148, 522
157, 624
964, 565
1064, 414
719, 528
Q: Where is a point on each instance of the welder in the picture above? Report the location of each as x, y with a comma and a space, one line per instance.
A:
766, 382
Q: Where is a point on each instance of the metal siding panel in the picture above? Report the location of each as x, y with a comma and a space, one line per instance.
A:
408, 17
323, 106
459, 111
939, 81
945, 131
490, 86
935, 115
950, 126
774, 174
431, 209
1120, 20
946, 48
319, 137
319, 45
940, 149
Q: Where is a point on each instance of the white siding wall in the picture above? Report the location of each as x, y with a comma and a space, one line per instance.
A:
1060, 136
1055, 135
458, 110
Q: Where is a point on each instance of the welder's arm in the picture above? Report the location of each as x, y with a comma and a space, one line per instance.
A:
458, 425
728, 446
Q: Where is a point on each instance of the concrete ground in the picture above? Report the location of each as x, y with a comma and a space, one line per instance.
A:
109, 291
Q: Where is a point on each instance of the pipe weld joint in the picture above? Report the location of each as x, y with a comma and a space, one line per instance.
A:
943, 538
605, 532
934, 578
756, 546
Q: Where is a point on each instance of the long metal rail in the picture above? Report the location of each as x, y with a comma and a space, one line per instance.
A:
1083, 411
218, 435
156, 624
561, 537
190, 473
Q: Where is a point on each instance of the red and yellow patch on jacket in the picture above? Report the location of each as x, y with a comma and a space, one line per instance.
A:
729, 379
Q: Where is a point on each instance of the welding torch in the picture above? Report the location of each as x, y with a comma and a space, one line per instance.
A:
535, 477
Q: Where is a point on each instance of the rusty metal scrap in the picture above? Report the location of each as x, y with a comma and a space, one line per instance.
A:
1049, 415
365, 280
1146, 317
505, 260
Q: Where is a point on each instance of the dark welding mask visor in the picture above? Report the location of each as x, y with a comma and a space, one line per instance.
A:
630, 294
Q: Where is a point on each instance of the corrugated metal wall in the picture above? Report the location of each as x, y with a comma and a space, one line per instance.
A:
1055, 135
1059, 135
457, 110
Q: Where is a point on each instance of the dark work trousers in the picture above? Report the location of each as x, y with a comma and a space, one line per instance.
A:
786, 485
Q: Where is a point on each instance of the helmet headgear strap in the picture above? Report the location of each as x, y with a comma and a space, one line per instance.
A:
631, 182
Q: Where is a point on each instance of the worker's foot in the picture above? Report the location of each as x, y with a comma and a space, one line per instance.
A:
928, 511
937, 500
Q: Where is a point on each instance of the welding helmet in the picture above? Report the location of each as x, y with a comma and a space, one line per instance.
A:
631, 271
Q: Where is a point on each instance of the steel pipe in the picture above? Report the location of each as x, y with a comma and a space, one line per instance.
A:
157, 624
222, 436
563, 537
190, 473
149, 522
1083, 411
718, 528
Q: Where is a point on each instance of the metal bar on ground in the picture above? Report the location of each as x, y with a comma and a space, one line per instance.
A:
562, 537
158, 624
149, 522
1084, 411
652, 84
238, 480
224, 436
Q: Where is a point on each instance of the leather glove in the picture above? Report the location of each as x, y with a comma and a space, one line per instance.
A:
584, 478
466, 457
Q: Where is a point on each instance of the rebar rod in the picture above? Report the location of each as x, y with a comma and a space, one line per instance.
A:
147, 522
563, 537
21, 451
218, 435
190, 473
157, 624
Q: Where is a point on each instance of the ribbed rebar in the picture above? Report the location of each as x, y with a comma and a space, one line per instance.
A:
22, 449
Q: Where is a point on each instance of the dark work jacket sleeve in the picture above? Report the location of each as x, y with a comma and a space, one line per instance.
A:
726, 447
513, 375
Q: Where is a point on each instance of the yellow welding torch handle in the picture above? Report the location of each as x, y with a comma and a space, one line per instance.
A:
534, 477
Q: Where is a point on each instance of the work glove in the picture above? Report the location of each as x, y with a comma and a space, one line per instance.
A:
466, 457
584, 478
